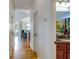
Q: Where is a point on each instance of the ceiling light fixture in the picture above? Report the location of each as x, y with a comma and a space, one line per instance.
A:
60, 1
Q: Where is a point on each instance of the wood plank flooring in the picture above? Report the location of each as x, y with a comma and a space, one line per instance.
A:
25, 52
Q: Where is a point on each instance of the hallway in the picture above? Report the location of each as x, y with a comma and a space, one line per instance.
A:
24, 52
40, 15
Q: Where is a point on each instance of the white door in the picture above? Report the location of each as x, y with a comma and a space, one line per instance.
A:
35, 29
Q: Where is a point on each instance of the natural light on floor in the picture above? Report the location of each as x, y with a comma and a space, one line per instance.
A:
16, 43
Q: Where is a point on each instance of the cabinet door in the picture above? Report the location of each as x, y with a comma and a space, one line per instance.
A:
68, 51
68, 54
61, 54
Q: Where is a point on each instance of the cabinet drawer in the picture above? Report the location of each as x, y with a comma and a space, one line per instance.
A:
68, 46
61, 46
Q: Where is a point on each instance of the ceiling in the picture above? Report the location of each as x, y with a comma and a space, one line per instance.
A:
23, 4
20, 14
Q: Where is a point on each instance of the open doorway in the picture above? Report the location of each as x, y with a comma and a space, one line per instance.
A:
25, 26
22, 25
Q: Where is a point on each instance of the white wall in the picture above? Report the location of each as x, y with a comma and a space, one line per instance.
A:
25, 21
61, 15
23, 25
11, 24
47, 28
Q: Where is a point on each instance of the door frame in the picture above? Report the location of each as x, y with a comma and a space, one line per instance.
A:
37, 51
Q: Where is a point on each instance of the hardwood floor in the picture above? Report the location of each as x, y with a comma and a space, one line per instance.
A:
24, 52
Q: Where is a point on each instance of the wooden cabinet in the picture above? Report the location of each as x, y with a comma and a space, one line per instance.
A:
68, 54
62, 51
61, 54
68, 51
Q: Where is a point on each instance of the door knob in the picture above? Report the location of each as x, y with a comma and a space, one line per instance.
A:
35, 34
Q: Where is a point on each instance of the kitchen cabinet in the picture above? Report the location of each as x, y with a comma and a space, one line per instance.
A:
61, 54
68, 51
62, 51
68, 54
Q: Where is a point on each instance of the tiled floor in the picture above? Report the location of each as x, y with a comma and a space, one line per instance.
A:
24, 52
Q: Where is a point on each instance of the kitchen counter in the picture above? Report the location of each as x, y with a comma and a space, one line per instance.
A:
62, 41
